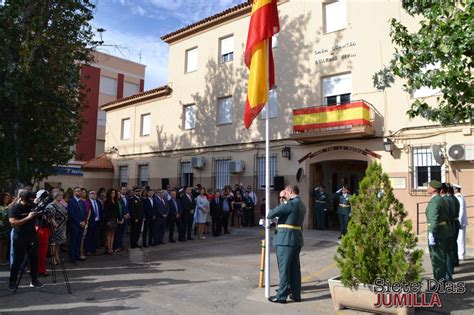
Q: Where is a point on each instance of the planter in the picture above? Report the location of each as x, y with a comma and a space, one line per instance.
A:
362, 298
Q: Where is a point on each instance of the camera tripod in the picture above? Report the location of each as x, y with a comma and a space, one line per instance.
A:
53, 272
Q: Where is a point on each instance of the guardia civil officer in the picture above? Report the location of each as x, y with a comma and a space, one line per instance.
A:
343, 209
136, 217
322, 204
452, 216
439, 232
455, 224
288, 242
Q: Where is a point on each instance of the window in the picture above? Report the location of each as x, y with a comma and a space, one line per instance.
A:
227, 49
222, 173
337, 89
224, 111
142, 175
191, 60
101, 118
125, 134
189, 117
145, 124
426, 91
130, 88
261, 171
108, 86
123, 176
425, 168
186, 174
273, 104
335, 17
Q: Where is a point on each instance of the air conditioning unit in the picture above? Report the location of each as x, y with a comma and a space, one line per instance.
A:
236, 166
198, 162
461, 152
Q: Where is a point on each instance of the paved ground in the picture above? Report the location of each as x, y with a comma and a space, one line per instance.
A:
213, 276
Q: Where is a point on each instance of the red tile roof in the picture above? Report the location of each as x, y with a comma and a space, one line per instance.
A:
100, 163
211, 20
164, 90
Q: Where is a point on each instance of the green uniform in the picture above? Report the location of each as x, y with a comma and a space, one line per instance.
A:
288, 242
322, 204
343, 211
437, 217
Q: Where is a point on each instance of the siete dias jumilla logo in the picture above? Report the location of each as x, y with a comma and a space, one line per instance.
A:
414, 294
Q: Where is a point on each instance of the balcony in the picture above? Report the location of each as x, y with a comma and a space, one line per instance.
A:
348, 121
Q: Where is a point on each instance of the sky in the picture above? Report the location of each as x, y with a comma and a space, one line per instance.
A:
133, 29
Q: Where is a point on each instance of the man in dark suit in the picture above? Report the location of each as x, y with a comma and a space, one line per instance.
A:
189, 206
288, 242
175, 217
136, 217
162, 217
151, 213
217, 213
77, 221
125, 215
93, 230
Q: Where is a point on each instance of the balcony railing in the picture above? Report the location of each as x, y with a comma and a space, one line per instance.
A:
350, 120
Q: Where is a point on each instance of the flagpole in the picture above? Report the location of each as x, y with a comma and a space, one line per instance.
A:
267, 180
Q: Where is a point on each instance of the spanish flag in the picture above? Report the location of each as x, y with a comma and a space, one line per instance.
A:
264, 24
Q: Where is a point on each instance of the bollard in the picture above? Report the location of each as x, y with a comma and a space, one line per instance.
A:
262, 265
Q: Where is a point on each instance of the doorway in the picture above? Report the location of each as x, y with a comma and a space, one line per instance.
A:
333, 175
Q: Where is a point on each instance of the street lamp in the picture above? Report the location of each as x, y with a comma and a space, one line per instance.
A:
286, 152
387, 145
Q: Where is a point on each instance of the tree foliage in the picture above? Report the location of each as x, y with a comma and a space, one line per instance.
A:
438, 55
379, 242
42, 46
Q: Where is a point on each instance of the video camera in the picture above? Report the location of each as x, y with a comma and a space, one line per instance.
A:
41, 202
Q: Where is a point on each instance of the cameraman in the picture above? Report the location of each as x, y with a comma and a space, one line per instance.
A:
25, 241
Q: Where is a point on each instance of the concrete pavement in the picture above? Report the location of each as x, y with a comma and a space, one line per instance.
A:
212, 276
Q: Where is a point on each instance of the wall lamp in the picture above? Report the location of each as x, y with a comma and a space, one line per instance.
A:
286, 152
387, 145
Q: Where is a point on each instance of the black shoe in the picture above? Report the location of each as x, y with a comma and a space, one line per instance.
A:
274, 299
226, 232
182, 240
12, 286
36, 284
296, 300
340, 236
162, 243
172, 241
145, 246
190, 239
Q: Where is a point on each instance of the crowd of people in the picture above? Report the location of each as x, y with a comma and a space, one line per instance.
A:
83, 222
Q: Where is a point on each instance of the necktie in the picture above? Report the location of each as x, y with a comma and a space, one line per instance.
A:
94, 205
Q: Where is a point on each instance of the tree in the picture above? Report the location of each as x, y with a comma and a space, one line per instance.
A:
42, 46
379, 242
439, 56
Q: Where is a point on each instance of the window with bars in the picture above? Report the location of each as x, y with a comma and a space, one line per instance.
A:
143, 175
222, 174
123, 176
186, 174
425, 168
260, 161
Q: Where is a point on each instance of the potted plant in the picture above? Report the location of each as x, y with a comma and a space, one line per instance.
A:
379, 244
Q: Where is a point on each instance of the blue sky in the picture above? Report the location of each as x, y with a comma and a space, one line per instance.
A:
133, 29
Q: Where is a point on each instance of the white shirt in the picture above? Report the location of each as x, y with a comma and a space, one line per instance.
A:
253, 195
96, 209
151, 201
462, 210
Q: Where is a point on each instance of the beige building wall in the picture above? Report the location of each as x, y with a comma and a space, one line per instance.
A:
301, 62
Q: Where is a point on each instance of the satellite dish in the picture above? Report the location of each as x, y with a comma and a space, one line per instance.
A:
437, 152
456, 152
299, 174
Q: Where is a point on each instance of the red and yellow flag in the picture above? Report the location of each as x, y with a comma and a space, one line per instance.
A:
264, 24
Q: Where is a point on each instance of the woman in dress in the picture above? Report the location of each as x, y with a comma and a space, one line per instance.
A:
202, 207
59, 214
111, 209
5, 200
238, 210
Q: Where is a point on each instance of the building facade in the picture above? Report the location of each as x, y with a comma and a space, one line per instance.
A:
106, 79
327, 119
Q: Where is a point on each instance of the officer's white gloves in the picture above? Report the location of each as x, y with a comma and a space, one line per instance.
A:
339, 191
431, 239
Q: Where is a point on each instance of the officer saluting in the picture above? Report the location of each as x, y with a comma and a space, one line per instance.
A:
136, 217
439, 232
322, 204
343, 209
288, 242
